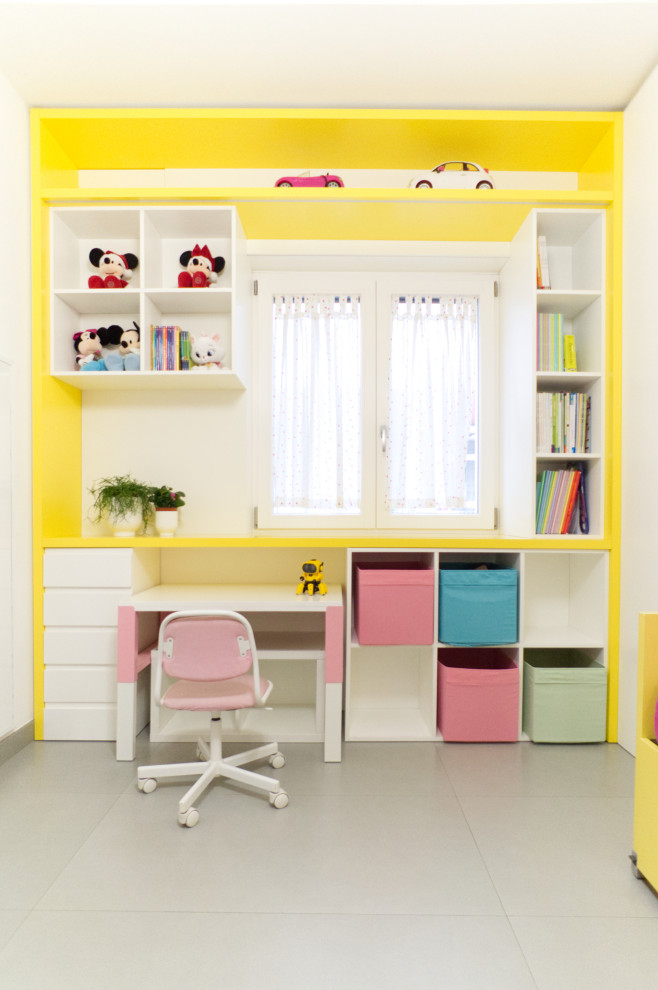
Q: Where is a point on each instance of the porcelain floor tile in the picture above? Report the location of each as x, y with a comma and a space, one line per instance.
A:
10, 922
526, 769
370, 854
105, 951
66, 768
594, 953
39, 834
559, 856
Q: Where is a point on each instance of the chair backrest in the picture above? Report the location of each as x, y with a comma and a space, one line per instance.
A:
207, 645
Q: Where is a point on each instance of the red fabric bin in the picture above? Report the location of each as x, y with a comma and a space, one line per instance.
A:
478, 696
394, 606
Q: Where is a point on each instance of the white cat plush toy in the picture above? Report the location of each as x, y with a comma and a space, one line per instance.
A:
206, 353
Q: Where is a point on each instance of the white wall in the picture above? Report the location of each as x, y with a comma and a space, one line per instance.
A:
15, 334
639, 576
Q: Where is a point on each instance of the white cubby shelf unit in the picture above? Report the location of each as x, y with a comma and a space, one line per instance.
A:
391, 690
157, 236
576, 247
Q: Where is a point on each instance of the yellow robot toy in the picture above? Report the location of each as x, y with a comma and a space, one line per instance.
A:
311, 578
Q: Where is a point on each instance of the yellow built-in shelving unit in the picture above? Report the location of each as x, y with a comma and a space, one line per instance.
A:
68, 141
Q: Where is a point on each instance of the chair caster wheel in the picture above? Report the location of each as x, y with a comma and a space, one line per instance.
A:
147, 785
279, 799
277, 761
188, 818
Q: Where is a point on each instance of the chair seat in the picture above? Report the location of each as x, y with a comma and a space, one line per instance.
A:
211, 696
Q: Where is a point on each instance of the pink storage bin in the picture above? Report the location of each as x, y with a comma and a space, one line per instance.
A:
478, 697
394, 606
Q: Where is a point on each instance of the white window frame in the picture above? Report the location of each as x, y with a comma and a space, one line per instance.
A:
375, 290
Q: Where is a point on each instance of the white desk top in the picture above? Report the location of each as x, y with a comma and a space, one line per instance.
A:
235, 597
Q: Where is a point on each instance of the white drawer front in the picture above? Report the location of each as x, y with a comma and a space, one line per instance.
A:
93, 722
80, 684
63, 645
80, 607
87, 568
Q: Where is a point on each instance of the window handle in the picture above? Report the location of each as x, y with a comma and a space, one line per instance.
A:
383, 437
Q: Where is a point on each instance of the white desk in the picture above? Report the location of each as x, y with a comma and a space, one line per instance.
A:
258, 599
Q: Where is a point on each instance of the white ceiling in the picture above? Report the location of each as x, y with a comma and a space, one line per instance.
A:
570, 55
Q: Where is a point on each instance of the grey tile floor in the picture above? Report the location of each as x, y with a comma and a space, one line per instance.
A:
407, 866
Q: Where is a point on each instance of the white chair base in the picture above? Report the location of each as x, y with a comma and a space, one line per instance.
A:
213, 765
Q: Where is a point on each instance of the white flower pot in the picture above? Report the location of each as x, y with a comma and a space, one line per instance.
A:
126, 526
166, 521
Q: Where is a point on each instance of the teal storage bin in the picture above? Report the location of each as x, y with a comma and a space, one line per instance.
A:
564, 697
478, 607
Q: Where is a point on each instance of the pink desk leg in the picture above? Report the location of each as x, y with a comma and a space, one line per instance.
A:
126, 682
333, 699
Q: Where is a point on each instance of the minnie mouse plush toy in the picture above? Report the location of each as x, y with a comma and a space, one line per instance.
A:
88, 353
115, 270
201, 269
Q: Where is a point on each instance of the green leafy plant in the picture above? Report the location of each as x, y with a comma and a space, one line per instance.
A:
120, 496
166, 498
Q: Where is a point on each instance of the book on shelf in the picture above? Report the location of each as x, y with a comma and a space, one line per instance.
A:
543, 275
557, 493
170, 348
569, 349
563, 422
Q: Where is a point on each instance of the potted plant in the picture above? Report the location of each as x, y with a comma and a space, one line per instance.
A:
166, 502
124, 501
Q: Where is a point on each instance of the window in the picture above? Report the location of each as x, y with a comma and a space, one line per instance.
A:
377, 401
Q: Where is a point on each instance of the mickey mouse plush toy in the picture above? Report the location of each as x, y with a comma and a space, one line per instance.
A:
115, 270
201, 269
130, 348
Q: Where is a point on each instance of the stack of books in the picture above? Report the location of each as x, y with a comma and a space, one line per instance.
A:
170, 349
556, 350
563, 422
557, 493
550, 342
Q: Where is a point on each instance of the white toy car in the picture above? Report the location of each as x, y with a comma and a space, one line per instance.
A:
454, 175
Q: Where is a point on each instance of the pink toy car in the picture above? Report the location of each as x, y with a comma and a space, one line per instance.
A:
306, 179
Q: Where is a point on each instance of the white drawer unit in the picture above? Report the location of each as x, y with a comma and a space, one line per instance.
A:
82, 590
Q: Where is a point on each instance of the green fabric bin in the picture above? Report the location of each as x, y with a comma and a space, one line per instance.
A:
564, 697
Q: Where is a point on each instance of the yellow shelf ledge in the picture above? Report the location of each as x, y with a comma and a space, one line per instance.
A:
479, 542
355, 214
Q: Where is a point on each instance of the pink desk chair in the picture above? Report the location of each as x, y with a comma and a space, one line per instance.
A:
210, 657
